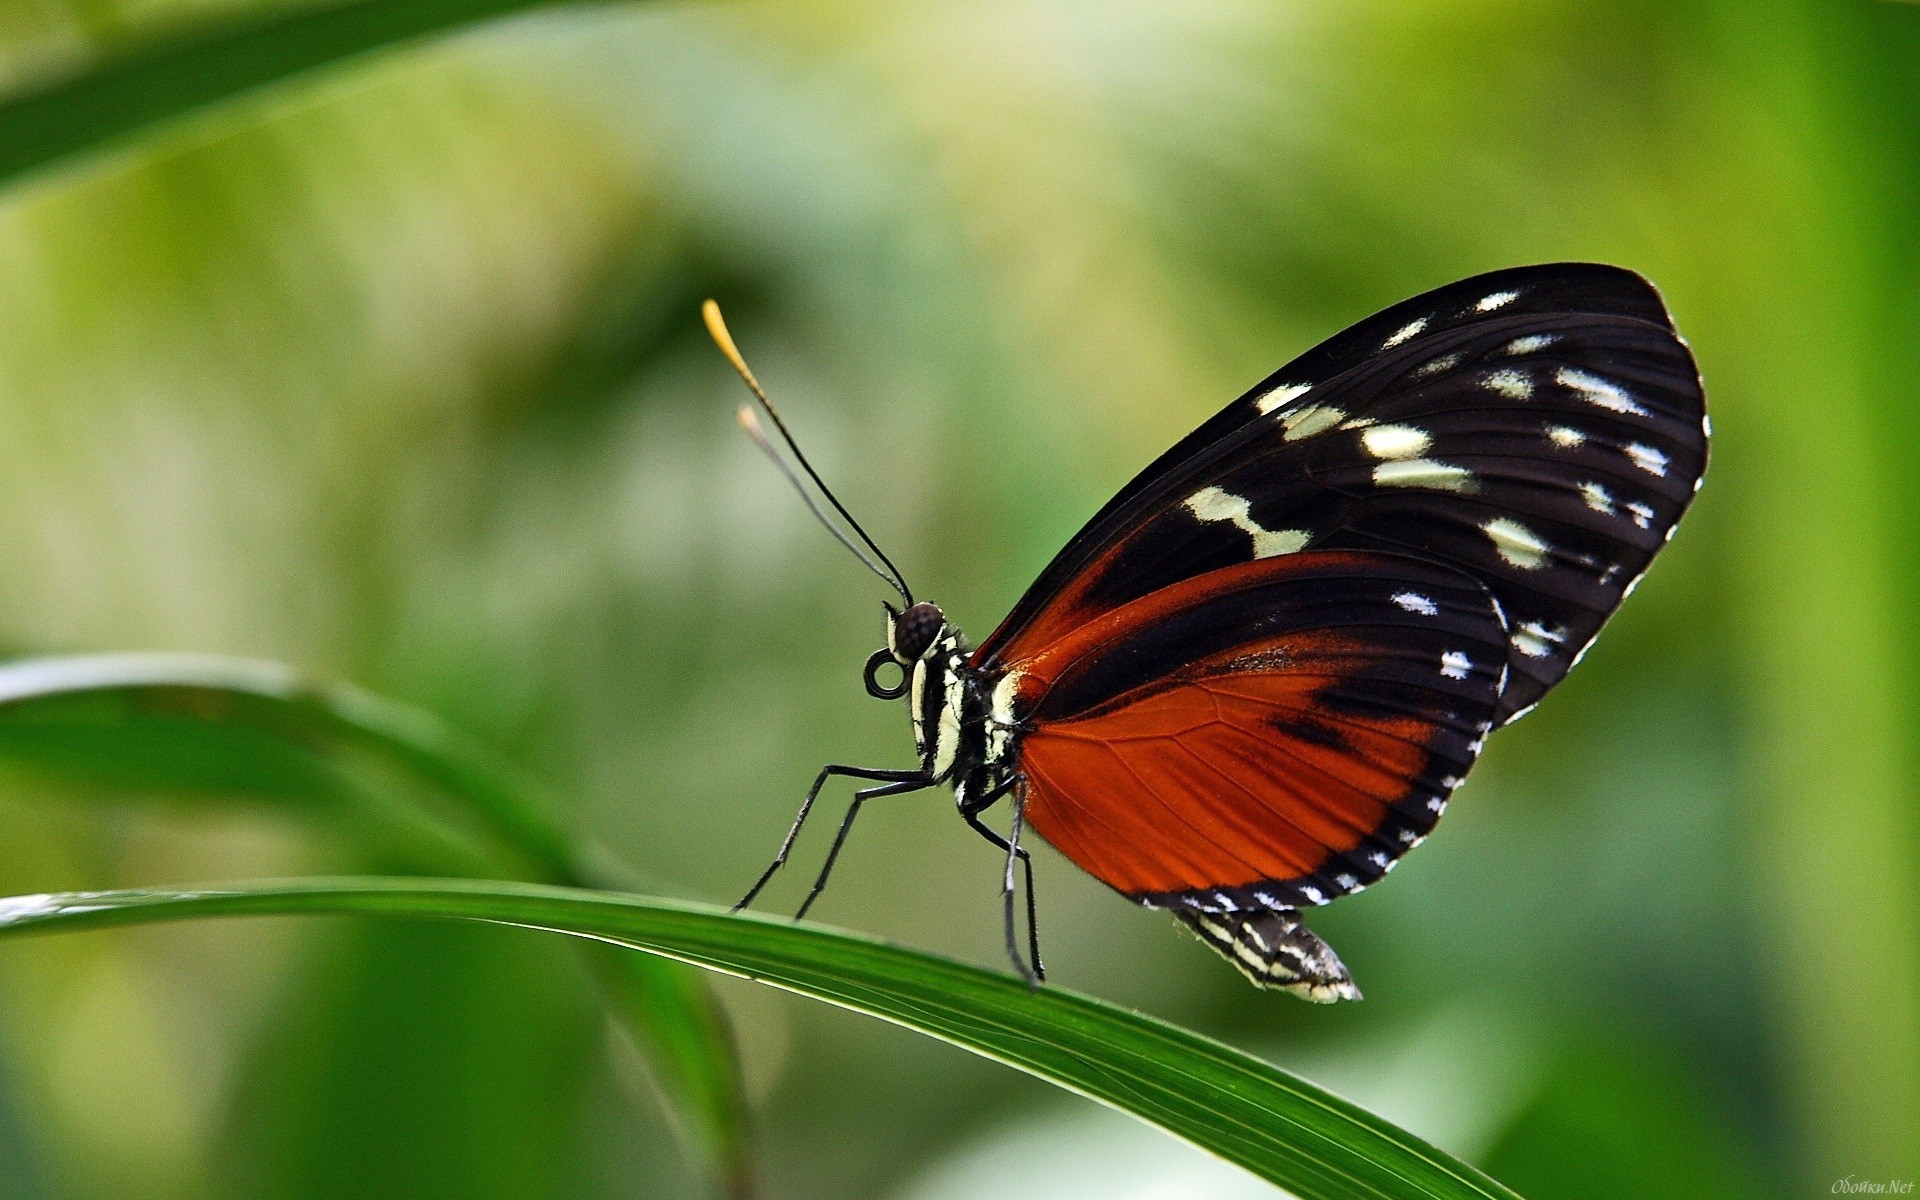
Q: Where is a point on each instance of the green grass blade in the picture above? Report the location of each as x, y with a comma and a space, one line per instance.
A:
154, 84
171, 720
1281, 1128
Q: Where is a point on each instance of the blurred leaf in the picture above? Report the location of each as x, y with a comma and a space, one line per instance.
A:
178, 76
411, 1066
1281, 1128
211, 723
1619, 1121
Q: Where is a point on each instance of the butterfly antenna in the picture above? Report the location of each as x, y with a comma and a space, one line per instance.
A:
749, 421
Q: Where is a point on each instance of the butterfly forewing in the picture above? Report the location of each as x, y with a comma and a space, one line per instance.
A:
1540, 429
1272, 734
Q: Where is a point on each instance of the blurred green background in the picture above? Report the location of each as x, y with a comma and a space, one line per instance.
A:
395, 374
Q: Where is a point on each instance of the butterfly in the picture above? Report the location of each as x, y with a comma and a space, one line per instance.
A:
1249, 685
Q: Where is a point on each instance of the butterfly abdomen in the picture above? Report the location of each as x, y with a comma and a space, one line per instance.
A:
1275, 949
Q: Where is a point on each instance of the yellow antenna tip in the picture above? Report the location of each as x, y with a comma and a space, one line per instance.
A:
717, 330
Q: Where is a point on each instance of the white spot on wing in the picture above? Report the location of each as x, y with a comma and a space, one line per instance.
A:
1423, 473
1512, 384
1314, 895
1446, 362
1215, 504
1603, 392
1314, 418
1497, 300
1531, 344
1346, 881
1455, 665
1537, 641
1414, 602
1396, 441
1598, 498
1281, 396
1647, 458
1565, 436
1409, 330
1436, 805
1516, 543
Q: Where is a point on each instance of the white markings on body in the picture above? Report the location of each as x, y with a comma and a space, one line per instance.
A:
1531, 344
1282, 395
1001, 721
1455, 665
1652, 461
946, 738
1396, 441
1414, 602
1252, 957
1565, 436
1214, 504
1423, 473
1003, 697
1409, 330
1642, 514
1497, 300
1603, 392
1514, 385
1314, 418
1516, 543
921, 670
1598, 498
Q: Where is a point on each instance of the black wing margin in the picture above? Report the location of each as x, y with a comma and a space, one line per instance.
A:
1542, 429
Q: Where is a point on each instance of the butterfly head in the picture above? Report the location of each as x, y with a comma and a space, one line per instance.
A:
911, 636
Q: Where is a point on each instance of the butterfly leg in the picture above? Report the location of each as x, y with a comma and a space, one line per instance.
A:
1015, 850
914, 782
806, 806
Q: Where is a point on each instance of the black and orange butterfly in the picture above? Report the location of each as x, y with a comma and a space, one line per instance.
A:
1251, 682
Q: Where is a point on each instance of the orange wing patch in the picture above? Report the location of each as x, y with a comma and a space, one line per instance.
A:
1292, 760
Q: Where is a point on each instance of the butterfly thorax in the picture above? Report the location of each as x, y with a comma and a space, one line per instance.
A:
964, 730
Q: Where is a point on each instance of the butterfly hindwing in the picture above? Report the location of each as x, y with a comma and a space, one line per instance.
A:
1541, 429
1272, 734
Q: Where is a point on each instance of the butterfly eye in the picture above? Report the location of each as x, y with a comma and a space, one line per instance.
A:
915, 630
878, 690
